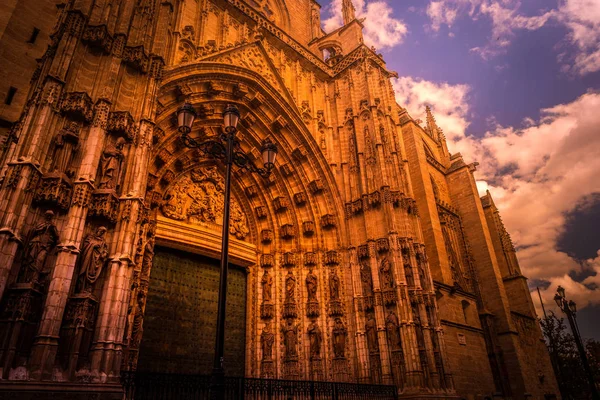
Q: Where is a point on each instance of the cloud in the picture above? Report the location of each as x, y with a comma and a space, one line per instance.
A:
537, 173
382, 30
580, 17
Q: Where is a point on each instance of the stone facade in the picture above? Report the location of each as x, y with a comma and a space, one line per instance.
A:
369, 255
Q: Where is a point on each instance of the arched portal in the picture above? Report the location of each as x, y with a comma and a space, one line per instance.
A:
291, 225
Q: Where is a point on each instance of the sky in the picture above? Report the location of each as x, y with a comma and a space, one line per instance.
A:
515, 85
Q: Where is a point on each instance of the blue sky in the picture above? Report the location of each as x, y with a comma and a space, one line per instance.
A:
516, 86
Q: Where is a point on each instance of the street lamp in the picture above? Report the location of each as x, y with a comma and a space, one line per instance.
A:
569, 307
227, 148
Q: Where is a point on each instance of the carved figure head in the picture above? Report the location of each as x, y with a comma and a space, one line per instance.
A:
100, 231
49, 215
120, 143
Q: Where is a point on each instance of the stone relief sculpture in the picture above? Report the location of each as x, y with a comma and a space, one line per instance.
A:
340, 333
334, 286
110, 165
290, 340
391, 325
315, 336
65, 146
43, 239
311, 286
371, 331
266, 341
267, 284
366, 278
387, 280
94, 253
197, 198
290, 287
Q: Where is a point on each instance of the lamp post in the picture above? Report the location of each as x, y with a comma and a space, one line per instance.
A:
226, 148
569, 307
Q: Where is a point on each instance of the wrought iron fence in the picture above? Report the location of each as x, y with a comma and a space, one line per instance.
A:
154, 386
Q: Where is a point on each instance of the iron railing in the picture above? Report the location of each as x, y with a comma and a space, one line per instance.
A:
156, 386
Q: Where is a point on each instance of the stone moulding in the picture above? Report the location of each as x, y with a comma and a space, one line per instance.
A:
121, 123
97, 36
77, 106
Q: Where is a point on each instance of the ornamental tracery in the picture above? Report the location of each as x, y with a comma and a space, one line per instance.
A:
197, 198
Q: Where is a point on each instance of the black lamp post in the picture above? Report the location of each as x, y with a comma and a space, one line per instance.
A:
569, 307
227, 148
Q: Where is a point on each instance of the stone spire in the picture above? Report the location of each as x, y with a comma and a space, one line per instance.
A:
348, 11
432, 129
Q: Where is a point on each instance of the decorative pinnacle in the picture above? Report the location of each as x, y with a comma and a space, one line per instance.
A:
348, 11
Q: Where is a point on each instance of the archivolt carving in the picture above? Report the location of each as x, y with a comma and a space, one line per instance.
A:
197, 198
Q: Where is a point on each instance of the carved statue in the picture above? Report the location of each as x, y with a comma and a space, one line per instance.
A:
311, 286
387, 280
410, 280
315, 22
290, 340
138, 320
391, 324
65, 145
266, 341
314, 334
267, 284
334, 286
110, 167
290, 287
366, 278
371, 329
94, 253
339, 338
42, 240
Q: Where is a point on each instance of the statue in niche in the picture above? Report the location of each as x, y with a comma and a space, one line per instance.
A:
366, 278
42, 240
315, 336
290, 287
334, 286
290, 340
371, 329
65, 146
267, 284
315, 21
110, 166
266, 341
138, 320
94, 253
339, 338
311, 286
391, 325
148, 256
387, 280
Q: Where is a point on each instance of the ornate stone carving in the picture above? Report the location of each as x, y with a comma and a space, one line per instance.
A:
387, 278
287, 169
312, 304
308, 228
300, 198
97, 36
267, 260
42, 240
331, 257
267, 285
316, 186
110, 165
197, 198
281, 203
327, 221
122, 123
261, 212
65, 146
315, 339
136, 57
54, 190
334, 286
78, 106
289, 306
310, 259
383, 245
288, 259
94, 253
105, 204
363, 251
266, 236
339, 334
300, 153
287, 231
393, 332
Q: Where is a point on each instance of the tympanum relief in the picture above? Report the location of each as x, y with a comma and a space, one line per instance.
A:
197, 198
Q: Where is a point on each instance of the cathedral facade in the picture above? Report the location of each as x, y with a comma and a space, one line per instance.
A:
367, 256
